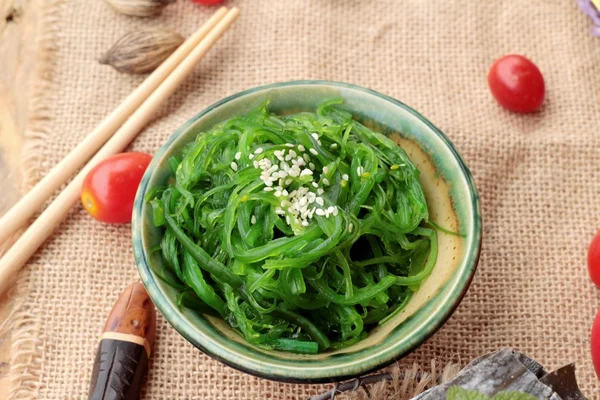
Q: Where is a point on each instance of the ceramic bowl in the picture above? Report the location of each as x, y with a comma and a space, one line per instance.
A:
453, 203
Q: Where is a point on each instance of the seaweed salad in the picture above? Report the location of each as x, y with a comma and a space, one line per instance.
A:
301, 231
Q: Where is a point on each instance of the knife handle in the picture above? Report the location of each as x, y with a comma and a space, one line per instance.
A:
125, 347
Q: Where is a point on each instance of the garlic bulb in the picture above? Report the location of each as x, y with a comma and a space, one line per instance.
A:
142, 51
139, 8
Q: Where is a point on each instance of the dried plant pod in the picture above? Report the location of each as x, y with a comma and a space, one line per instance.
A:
139, 8
142, 51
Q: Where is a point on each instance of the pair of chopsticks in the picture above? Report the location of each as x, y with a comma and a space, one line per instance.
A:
110, 137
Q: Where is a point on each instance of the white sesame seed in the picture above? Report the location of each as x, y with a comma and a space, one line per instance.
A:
293, 173
238, 155
320, 191
311, 166
306, 157
287, 219
268, 189
284, 192
345, 177
335, 211
278, 193
301, 148
253, 220
358, 170
315, 184
315, 136
320, 201
319, 142
313, 151
258, 151
279, 211
325, 170
251, 156
278, 188
288, 181
319, 211
285, 203
304, 223
289, 145
330, 209
288, 157
268, 183
326, 181
327, 212
234, 166
303, 201
306, 172
292, 153
334, 146
350, 227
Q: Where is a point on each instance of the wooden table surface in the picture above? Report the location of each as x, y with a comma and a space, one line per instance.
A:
18, 28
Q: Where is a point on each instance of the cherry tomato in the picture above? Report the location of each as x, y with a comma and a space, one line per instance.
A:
594, 259
517, 84
109, 188
596, 344
208, 2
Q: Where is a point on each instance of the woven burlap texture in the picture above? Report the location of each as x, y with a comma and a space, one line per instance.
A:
537, 175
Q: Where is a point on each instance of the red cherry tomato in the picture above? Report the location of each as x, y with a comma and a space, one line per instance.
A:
596, 344
109, 188
517, 84
594, 259
208, 2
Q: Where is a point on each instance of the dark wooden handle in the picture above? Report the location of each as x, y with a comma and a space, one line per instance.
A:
125, 346
119, 370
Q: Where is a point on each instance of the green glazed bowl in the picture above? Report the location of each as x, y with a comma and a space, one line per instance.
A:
453, 203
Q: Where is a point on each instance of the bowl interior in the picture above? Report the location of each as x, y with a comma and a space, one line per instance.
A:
453, 204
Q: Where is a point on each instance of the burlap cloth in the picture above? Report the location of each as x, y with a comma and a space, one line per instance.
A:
538, 175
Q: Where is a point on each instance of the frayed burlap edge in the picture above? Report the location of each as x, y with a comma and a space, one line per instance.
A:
26, 347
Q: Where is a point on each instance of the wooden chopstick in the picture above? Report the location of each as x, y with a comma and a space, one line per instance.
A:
41, 228
33, 200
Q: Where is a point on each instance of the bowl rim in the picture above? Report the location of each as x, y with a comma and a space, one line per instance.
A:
435, 322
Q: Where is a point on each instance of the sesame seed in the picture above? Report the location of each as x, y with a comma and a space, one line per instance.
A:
325, 170
238, 155
350, 227
334, 146
304, 223
326, 181
320, 191
315, 184
258, 151
319, 142
278, 193
268, 183
306, 157
289, 145
358, 170
301, 148
345, 177
287, 219
292, 153
288, 181
330, 209
279, 211
288, 157
284, 192
335, 211
268, 189
319, 211
306, 172
315, 136
313, 151
320, 201
253, 220
251, 156
278, 188
327, 212
234, 166
311, 166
